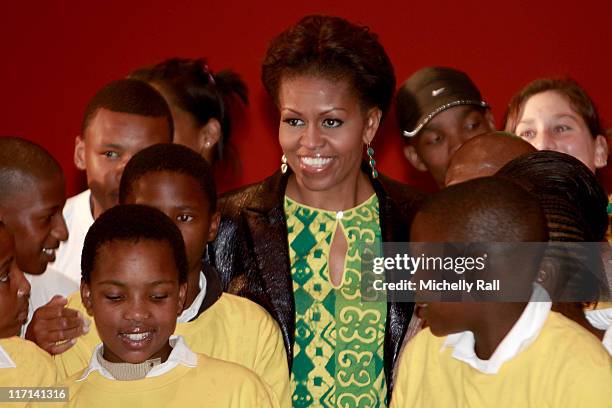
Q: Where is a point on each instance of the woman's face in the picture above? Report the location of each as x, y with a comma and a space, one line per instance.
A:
549, 122
323, 129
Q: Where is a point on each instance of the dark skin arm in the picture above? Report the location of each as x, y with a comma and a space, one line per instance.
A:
55, 328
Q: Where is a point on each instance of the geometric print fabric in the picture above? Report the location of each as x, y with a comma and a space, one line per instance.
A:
339, 339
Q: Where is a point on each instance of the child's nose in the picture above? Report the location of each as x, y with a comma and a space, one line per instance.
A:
544, 141
60, 231
119, 169
136, 312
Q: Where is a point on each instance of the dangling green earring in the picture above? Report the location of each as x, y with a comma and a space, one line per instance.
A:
371, 161
283, 164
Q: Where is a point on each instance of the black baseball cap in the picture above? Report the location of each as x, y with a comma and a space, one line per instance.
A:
430, 91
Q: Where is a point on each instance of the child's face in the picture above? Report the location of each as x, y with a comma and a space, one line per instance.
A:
549, 122
14, 289
135, 297
180, 197
34, 216
443, 318
110, 140
443, 135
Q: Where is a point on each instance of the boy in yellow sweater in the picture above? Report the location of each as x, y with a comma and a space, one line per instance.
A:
134, 284
22, 363
180, 183
497, 354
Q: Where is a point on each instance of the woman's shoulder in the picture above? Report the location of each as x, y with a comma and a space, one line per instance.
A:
399, 191
261, 195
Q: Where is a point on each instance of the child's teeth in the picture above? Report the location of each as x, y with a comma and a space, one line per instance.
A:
48, 251
137, 336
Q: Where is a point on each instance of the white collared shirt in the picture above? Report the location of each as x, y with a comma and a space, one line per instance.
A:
5, 360
523, 333
602, 320
180, 354
192, 310
78, 217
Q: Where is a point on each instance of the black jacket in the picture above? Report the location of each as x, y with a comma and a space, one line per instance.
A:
251, 252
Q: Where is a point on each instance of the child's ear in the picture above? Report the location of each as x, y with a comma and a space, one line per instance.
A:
86, 297
214, 226
601, 152
181, 297
414, 159
208, 137
79, 153
489, 118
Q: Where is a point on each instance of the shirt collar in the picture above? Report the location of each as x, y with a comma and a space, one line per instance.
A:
192, 310
180, 354
5, 360
523, 333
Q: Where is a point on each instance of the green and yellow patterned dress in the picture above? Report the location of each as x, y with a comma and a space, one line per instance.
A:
339, 339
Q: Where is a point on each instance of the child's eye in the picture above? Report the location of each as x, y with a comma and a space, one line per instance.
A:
113, 298
332, 123
184, 218
561, 128
527, 134
5, 278
433, 138
160, 296
111, 155
293, 122
472, 126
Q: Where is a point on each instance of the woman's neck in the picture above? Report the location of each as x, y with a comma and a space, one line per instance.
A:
341, 197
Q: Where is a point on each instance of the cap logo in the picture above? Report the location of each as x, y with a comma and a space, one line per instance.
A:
438, 91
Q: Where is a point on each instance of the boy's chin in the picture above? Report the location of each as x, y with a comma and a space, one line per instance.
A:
440, 330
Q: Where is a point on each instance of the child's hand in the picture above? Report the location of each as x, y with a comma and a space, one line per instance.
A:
55, 328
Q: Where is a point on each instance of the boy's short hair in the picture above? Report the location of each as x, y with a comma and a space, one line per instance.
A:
173, 158
430, 91
488, 209
132, 223
128, 96
21, 159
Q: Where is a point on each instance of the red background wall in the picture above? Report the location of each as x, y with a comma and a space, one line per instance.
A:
56, 54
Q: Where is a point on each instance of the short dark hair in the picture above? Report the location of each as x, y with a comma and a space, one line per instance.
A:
132, 223
488, 209
173, 158
335, 48
578, 99
194, 88
20, 160
128, 96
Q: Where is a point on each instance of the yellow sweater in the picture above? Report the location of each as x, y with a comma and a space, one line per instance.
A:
564, 367
212, 383
233, 329
34, 367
